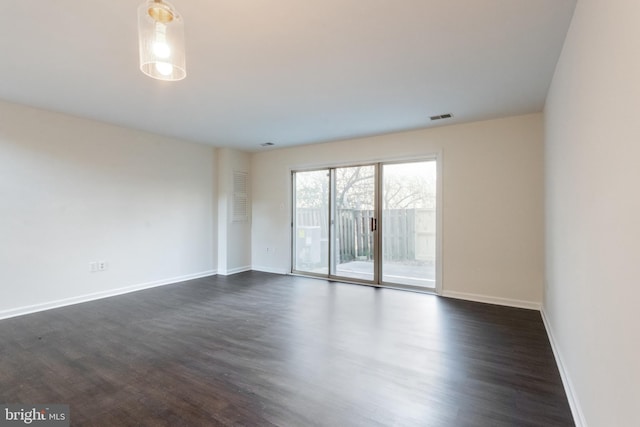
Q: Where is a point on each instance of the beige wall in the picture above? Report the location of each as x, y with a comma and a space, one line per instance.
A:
74, 191
592, 147
234, 238
492, 202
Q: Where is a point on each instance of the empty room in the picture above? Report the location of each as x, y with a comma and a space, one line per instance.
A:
337, 213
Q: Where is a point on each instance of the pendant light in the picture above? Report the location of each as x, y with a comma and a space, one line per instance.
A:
161, 41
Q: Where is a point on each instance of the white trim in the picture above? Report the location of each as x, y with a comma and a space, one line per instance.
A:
531, 305
263, 269
20, 311
236, 270
574, 404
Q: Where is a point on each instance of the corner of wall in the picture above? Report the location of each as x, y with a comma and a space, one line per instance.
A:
574, 404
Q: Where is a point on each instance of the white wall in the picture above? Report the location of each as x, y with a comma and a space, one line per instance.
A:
592, 298
74, 191
234, 238
492, 197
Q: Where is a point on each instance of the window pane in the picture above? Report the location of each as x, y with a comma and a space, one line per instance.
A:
354, 209
311, 233
409, 223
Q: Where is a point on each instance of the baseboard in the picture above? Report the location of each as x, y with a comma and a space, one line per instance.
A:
21, 311
236, 270
576, 409
492, 300
269, 269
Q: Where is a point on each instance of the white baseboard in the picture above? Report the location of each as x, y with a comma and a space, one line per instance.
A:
531, 305
269, 270
574, 404
236, 270
20, 311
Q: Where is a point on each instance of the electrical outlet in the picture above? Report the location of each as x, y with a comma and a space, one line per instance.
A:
102, 265
93, 266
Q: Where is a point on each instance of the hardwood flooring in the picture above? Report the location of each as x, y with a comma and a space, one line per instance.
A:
259, 349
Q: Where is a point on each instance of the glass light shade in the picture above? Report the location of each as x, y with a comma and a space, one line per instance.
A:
161, 41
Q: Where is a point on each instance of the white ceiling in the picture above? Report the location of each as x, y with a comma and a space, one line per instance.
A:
287, 71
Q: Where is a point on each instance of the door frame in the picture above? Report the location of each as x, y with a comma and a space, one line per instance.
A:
436, 156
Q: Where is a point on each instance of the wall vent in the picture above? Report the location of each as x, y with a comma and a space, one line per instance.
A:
240, 197
441, 116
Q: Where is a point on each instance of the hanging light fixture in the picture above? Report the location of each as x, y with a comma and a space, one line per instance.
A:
161, 41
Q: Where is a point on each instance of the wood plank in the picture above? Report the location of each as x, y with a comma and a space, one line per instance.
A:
263, 349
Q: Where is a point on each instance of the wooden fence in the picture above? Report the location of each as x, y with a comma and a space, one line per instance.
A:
399, 234
354, 236
355, 240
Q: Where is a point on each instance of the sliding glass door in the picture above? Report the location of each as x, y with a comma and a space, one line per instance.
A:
374, 224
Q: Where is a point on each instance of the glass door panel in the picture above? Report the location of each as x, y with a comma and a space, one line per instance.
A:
354, 223
311, 222
409, 223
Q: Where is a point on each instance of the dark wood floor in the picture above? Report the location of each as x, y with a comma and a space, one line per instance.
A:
260, 349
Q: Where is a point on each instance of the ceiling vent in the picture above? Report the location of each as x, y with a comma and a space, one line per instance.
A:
267, 144
441, 116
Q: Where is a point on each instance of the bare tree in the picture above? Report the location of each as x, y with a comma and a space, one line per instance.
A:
355, 189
